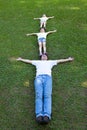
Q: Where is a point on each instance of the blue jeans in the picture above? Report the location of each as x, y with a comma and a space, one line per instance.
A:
43, 95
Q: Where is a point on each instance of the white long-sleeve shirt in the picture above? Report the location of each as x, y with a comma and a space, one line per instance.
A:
41, 35
43, 19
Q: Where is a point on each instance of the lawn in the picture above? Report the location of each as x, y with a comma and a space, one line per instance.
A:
69, 80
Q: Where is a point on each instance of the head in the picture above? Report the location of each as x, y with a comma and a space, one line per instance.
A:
42, 30
44, 57
44, 15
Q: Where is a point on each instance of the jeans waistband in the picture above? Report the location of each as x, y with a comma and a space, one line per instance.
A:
44, 75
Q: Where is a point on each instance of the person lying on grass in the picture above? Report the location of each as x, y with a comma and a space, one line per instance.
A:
43, 20
43, 86
41, 36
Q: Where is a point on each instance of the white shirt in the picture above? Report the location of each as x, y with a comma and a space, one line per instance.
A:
44, 67
43, 19
42, 35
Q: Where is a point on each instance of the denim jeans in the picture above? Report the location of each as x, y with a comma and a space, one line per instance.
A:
43, 95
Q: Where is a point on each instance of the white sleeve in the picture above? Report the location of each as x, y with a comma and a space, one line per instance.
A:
54, 62
38, 34
47, 18
46, 33
34, 62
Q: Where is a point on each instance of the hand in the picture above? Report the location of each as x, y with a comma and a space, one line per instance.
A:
71, 58
55, 30
19, 59
27, 34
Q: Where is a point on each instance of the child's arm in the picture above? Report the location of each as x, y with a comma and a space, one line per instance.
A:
36, 18
30, 34
24, 60
65, 60
51, 31
50, 17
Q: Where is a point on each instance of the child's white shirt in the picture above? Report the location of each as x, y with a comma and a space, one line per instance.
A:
43, 19
42, 35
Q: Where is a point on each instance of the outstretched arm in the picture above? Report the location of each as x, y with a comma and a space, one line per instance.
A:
24, 60
51, 31
30, 34
36, 18
65, 60
50, 17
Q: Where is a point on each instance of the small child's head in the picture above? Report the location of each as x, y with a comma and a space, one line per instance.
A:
44, 15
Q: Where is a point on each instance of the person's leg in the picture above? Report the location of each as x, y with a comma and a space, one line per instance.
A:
41, 24
48, 96
45, 25
40, 47
38, 96
44, 45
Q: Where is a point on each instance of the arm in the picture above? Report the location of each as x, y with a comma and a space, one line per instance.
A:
51, 31
24, 60
36, 18
30, 34
50, 17
65, 60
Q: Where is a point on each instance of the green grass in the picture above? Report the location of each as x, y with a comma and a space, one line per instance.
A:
69, 80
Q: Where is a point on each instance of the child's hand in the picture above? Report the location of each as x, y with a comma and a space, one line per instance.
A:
71, 58
18, 59
27, 34
55, 30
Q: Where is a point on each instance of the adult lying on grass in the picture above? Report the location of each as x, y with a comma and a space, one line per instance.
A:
43, 86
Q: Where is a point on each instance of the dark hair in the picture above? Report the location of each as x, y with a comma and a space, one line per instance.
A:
43, 54
43, 28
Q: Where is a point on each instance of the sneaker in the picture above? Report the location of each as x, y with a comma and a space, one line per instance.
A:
45, 54
46, 119
39, 119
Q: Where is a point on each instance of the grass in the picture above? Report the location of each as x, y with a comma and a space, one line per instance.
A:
69, 80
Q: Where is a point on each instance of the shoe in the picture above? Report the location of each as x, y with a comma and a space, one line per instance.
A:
39, 119
46, 119
45, 54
